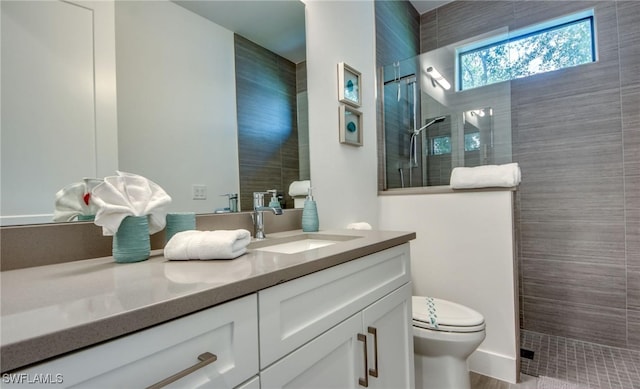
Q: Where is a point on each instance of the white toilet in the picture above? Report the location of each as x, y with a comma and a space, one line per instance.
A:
444, 336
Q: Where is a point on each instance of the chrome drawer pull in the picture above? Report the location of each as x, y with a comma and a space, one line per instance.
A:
372, 330
364, 381
205, 359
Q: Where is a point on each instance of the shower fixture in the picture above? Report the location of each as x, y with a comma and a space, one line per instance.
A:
413, 144
434, 121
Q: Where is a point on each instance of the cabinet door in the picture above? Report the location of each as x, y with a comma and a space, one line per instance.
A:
297, 311
333, 360
387, 324
251, 384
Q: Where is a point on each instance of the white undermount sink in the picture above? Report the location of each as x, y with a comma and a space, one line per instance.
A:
298, 243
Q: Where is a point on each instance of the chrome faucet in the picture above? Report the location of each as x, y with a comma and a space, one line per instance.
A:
258, 208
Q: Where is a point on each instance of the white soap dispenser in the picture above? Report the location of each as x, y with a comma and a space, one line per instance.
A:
310, 221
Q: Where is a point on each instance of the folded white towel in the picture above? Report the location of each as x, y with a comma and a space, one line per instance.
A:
74, 200
219, 244
129, 195
507, 175
299, 188
359, 226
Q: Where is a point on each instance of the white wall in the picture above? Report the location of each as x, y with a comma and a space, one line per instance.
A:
464, 252
177, 102
344, 177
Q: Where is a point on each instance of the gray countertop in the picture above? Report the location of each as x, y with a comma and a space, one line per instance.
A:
51, 310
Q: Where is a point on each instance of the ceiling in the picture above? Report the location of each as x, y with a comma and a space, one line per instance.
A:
275, 25
423, 6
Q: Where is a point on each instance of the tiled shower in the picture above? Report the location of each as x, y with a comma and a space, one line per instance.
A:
576, 136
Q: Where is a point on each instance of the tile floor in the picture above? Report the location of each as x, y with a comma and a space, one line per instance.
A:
590, 365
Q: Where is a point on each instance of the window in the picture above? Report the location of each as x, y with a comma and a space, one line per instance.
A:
472, 141
441, 145
554, 45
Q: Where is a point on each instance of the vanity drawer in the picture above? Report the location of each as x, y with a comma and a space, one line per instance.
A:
293, 313
229, 331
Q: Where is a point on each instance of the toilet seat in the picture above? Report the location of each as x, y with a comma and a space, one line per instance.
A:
441, 315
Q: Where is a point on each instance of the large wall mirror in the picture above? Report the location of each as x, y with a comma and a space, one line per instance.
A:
147, 87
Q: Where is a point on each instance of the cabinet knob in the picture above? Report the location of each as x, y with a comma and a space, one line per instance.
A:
204, 358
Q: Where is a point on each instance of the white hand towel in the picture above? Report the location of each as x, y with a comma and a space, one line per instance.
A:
359, 226
74, 200
299, 188
507, 175
219, 244
129, 195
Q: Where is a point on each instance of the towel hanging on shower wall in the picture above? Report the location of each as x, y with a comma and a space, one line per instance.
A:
487, 176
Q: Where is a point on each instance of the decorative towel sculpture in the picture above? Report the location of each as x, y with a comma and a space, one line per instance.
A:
219, 244
74, 200
486, 176
129, 195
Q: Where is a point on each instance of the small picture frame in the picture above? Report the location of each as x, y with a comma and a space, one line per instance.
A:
349, 85
350, 126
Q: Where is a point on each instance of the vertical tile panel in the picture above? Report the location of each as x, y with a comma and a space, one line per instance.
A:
601, 325
267, 120
576, 135
397, 38
629, 35
633, 330
461, 20
428, 31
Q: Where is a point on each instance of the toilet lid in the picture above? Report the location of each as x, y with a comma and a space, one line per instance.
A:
442, 315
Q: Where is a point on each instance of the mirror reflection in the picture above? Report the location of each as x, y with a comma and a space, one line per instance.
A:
155, 89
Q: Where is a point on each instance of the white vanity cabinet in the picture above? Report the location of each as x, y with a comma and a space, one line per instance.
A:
228, 331
344, 327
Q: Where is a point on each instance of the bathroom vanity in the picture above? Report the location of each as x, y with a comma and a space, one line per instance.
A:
329, 309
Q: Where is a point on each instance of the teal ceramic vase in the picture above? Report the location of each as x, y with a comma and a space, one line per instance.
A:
178, 222
132, 243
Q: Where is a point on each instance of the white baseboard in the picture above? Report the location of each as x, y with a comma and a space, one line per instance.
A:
494, 365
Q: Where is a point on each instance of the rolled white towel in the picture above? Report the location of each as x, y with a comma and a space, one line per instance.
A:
359, 226
299, 188
507, 175
219, 244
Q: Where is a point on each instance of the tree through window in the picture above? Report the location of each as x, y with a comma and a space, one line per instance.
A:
550, 47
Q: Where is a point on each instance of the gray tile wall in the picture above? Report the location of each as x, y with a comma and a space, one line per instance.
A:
576, 136
397, 38
266, 88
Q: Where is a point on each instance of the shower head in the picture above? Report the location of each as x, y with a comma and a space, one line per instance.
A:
434, 121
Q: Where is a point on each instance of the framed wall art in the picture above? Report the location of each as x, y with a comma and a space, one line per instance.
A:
349, 82
350, 126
